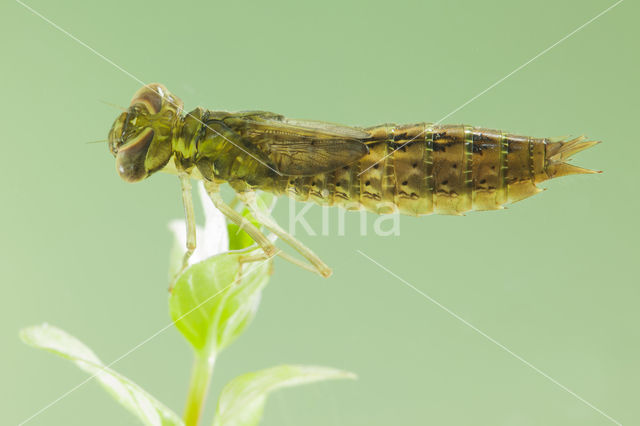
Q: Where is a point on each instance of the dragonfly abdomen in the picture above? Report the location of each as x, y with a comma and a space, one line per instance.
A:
421, 169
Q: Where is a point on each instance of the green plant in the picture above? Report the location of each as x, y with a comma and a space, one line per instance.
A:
212, 302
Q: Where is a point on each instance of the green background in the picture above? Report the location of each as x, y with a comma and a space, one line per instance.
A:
553, 278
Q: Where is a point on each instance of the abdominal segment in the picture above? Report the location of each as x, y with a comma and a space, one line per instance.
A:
421, 169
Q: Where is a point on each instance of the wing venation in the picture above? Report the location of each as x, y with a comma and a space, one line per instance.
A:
301, 147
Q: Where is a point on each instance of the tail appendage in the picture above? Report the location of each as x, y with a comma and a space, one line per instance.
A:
559, 152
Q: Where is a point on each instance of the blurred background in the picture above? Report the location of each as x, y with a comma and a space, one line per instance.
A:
553, 278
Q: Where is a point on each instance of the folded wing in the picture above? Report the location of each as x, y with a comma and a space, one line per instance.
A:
300, 147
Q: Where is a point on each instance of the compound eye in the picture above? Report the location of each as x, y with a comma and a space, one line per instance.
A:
115, 134
151, 97
130, 160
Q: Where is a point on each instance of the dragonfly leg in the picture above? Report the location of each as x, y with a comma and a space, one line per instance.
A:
265, 244
262, 257
250, 258
283, 255
187, 200
317, 265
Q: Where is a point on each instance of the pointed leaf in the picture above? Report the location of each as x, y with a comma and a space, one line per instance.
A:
242, 400
149, 410
238, 238
214, 300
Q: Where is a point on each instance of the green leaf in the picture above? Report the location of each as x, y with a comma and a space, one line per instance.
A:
238, 238
242, 400
149, 410
213, 301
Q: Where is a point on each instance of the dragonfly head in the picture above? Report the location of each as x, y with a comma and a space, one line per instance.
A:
140, 138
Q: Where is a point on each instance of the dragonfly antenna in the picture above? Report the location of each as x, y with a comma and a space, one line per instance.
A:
113, 105
100, 141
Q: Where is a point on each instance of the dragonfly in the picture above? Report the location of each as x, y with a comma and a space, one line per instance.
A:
412, 169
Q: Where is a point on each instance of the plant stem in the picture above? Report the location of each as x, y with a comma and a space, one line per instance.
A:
198, 386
